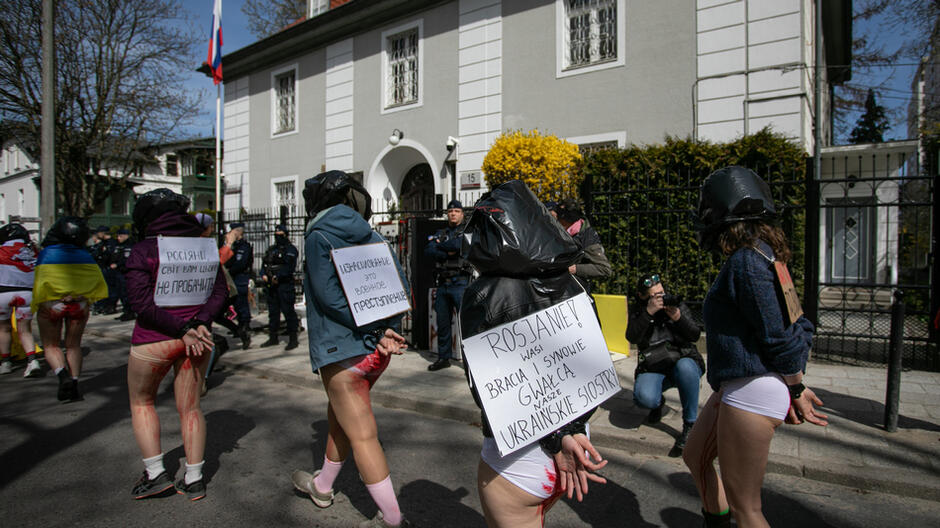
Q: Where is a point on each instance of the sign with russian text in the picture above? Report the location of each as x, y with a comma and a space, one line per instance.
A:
538, 373
371, 282
187, 271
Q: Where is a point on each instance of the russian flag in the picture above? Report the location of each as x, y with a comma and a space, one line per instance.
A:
215, 43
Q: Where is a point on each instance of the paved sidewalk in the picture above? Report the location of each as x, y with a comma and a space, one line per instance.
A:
854, 450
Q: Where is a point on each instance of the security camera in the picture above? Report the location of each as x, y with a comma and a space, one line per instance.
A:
452, 143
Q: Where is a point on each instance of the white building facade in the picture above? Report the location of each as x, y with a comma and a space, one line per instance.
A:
410, 95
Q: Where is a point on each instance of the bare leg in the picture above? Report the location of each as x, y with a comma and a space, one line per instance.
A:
24, 329
700, 453
505, 505
743, 445
73, 343
50, 333
352, 408
6, 338
187, 384
143, 380
337, 443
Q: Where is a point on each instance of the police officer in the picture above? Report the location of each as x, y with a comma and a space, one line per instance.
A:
452, 273
102, 250
239, 266
279, 263
122, 250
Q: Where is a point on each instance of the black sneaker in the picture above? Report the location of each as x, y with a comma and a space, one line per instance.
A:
439, 364
146, 487
656, 414
65, 386
193, 491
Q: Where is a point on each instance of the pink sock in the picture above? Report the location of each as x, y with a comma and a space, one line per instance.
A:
384, 496
328, 473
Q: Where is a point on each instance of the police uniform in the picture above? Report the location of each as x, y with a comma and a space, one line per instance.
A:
452, 274
102, 251
239, 267
280, 261
122, 250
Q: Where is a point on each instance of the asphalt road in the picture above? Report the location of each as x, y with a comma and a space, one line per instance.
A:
74, 465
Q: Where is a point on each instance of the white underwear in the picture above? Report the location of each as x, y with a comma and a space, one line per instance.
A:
766, 394
529, 469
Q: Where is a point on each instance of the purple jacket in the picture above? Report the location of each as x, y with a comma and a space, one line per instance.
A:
155, 323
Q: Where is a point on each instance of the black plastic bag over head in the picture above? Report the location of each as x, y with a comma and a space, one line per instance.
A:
728, 195
511, 233
13, 231
68, 230
152, 204
336, 188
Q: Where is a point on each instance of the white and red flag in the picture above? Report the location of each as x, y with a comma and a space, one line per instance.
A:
215, 43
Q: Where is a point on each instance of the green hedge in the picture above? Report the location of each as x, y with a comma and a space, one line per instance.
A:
641, 200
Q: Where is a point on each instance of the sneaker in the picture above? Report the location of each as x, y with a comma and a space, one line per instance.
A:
65, 386
75, 395
379, 522
193, 491
656, 414
303, 481
6, 367
439, 364
33, 369
146, 487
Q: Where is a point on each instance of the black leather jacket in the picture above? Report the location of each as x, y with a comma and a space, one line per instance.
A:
645, 330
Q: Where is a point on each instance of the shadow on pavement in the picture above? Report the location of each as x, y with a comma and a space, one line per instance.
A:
847, 407
425, 503
605, 502
224, 428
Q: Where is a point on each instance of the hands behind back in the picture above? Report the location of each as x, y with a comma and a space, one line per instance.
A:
575, 469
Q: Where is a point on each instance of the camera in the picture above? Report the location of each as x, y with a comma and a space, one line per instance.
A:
452, 143
671, 300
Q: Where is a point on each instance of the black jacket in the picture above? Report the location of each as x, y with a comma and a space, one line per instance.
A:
523, 257
643, 328
280, 261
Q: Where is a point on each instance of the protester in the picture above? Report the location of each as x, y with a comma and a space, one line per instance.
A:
17, 262
122, 250
757, 352
220, 345
170, 332
349, 358
226, 254
594, 264
523, 256
102, 250
280, 261
451, 273
239, 266
665, 337
67, 281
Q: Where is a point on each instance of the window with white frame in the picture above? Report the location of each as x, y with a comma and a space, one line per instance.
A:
284, 192
285, 101
172, 169
590, 34
21, 199
319, 6
402, 67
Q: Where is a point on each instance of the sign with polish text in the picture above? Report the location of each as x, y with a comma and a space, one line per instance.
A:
371, 282
187, 271
538, 373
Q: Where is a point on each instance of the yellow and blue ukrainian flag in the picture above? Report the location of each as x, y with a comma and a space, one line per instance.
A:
64, 270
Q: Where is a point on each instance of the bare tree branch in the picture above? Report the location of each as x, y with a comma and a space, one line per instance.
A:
267, 17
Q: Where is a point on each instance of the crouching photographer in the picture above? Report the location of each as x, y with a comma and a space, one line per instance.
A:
664, 334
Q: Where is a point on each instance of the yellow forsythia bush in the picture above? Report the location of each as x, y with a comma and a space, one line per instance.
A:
547, 164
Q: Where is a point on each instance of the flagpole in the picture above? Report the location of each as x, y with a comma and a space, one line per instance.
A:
218, 151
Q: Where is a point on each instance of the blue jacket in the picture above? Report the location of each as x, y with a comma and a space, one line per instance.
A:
744, 325
334, 335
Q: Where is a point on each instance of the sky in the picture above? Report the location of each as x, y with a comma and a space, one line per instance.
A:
235, 35
895, 94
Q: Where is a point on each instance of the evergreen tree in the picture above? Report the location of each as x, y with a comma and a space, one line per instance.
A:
872, 125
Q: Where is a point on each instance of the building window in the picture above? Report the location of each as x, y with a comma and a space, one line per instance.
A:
119, 199
590, 148
590, 35
284, 192
285, 101
402, 76
22, 202
319, 6
171, 165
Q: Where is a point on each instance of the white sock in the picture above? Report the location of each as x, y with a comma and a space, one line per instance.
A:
58, 370
154, 466
193, 472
